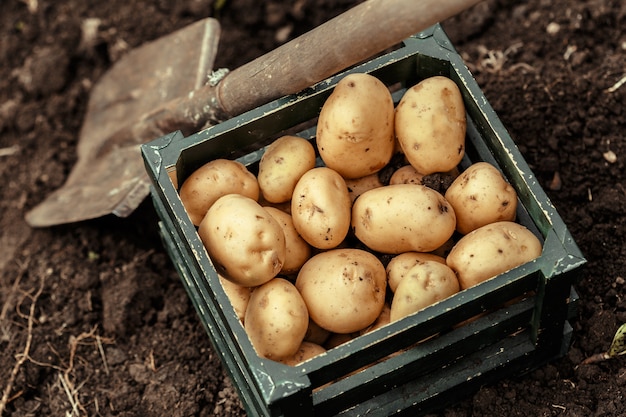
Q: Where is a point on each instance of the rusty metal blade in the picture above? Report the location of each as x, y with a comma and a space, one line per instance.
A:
110, 177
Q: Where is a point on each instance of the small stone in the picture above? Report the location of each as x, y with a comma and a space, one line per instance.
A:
610, 156
553, 28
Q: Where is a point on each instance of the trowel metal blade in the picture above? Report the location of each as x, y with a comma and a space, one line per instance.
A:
110, 178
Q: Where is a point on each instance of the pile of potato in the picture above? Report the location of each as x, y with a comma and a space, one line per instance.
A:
311, 256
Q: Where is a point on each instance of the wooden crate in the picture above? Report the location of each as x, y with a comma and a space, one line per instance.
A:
524, 313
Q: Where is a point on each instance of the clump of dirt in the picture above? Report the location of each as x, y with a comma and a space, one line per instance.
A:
94, 319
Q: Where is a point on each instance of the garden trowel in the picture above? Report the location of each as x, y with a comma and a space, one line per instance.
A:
169, 85
109, 176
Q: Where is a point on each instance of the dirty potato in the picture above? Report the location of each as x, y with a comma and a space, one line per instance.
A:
244, 241
481, 195
424, 284
401, 264
406, 175
285, 160
213, 180
344, 289
298, 251
430, 125
320, 208
306, 351
491, 250
355, 129
357, 186
276, 319
402, 218
238, 296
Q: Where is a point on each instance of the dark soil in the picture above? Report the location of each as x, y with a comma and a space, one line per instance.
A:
94, 319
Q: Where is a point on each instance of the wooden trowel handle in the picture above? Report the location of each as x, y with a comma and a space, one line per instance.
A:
352, 37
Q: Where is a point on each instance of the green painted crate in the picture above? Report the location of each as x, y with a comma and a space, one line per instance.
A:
528, 331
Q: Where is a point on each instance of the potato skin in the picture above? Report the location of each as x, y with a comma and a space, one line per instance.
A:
357, 186
481, 195
238, 295
285, 160
298, 251
315, 334
213, 180
401, 264
406, 175
491, 250
402, 218
244, 241
320, 208
382, 320
355, 129
276, 319
306, 351
430, 125
424, 284
344, 289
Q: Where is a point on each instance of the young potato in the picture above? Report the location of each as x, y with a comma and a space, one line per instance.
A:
382, 320
401, 264
344, 289
298, 251
238, 295
402, 218
355, 131
244, 241
406, 175
491, 250
481, 195
285, 160
424, 285
213, 180
430, 125
306, 351
357, 186
338, 339
320, 208
316, 334
276, 319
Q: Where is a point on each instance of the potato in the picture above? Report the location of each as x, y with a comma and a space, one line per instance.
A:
491, 250
430, 125
357, 186
401, 264
306, 351
213, 180
238, 295
344, 289
285, 160
298, 251
425, 284
355, 129
382, 320
243, 240
402, 218
338, 339
406, 175
316, 334
481, 195
276, 319
320, 208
